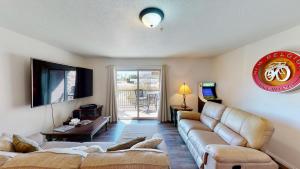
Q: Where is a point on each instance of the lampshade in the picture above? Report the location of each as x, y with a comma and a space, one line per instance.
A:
151, 17
184, 89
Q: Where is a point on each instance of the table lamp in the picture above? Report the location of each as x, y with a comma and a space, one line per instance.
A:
184, 90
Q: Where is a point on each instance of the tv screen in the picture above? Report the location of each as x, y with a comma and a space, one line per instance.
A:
54, 83
84, 83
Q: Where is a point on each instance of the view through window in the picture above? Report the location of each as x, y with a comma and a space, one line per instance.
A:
138, 94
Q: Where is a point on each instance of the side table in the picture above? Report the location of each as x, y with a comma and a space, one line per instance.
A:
174, 109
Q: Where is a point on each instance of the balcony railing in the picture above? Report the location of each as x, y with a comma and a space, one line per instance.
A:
147, 98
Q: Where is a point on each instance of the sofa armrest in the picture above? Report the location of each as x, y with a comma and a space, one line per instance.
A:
188, 115
236, 155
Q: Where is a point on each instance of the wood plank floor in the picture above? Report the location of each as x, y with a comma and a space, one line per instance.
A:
179, 154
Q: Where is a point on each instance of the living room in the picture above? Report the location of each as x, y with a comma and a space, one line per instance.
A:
194, 43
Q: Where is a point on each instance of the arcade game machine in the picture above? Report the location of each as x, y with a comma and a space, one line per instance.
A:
207, 92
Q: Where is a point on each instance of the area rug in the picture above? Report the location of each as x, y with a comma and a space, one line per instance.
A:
132, 131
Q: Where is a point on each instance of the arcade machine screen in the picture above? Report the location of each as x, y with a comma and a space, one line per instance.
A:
209, 90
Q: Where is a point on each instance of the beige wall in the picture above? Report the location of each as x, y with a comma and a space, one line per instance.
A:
236, 87
16, 116
179, 70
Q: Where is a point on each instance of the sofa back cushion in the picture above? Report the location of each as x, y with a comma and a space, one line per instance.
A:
45, 160
229, 135
211, 114
3, 159
256, 130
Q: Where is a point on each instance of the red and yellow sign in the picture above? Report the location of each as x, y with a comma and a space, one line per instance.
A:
278, 71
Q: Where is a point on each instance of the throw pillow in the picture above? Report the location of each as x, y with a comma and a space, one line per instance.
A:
94, 149
90, 149
24, 145
6, 144
126, 145
151, 143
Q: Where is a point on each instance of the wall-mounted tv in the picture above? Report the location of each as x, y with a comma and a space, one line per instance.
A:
53, 83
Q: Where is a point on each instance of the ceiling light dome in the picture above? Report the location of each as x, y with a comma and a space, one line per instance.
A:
151, 17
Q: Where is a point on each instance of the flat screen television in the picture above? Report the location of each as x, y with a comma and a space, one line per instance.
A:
53, 83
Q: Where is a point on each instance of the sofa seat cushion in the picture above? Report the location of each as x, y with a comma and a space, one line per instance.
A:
188, 125
200, 139
229, 135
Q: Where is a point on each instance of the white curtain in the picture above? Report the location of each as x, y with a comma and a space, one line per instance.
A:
163, 114
111, 104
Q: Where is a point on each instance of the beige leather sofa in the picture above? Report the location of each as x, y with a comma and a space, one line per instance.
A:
129, 159
222, 137
123, 159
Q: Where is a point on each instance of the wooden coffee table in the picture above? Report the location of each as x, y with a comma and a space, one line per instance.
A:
85, 131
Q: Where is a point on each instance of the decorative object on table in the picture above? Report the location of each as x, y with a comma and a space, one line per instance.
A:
174, 109
207, 92
127, 144
24, 145
74, 122
184, 90
64, 128
85, 122
278, 71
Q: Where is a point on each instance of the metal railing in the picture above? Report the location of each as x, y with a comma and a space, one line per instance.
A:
128, 98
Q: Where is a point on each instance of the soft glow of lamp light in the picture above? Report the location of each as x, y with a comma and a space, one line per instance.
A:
184, 90
151, 17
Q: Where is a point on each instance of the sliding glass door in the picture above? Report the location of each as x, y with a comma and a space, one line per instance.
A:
138, 93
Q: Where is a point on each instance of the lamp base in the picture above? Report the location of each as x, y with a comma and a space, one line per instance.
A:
184, 106
184, 103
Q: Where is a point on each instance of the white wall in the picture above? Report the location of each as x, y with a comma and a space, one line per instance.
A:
233, 74
15, 53
179, 70
15, 112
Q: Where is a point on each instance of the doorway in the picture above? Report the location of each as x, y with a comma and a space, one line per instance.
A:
138, 93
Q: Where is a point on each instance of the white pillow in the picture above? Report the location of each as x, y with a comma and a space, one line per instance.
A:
90, 149
150, 143
94, 149
6, 144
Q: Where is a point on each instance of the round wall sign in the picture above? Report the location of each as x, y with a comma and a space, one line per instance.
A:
278, 71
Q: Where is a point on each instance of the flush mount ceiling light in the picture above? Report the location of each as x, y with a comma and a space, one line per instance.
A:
151, 17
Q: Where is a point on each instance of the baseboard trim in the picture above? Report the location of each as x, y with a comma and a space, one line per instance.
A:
281, 162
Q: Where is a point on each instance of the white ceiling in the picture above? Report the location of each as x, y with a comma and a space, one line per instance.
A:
111, 28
